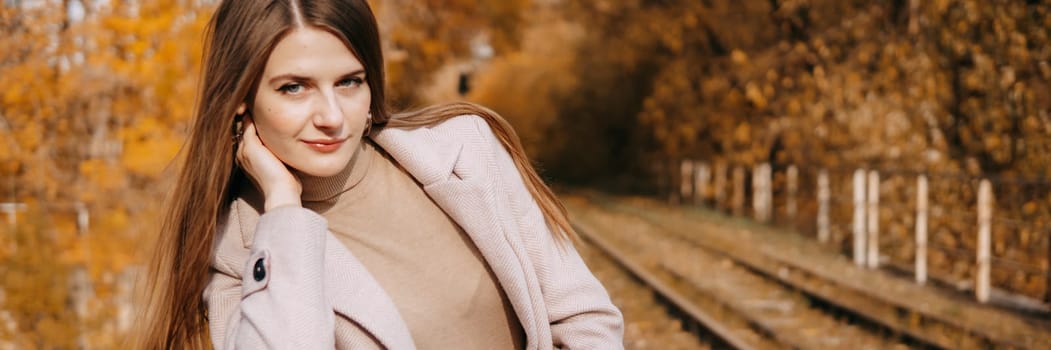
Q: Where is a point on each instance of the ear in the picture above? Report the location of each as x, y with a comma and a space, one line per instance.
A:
241, 108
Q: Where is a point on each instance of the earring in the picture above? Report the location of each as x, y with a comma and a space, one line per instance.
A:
238, 130
368, 125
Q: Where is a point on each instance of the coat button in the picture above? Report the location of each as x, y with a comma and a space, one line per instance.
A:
259, 272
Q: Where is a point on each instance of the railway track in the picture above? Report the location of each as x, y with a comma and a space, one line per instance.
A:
648, 322
690, 309
749, 301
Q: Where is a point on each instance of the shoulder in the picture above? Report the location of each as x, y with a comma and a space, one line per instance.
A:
430, 152
468, 127
465, 125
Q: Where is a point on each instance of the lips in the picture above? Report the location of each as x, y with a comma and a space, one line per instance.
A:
325, 146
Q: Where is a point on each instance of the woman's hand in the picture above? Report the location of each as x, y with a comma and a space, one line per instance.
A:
280, 188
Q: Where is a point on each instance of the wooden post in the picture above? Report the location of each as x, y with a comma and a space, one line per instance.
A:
671, 172
768, 191
719, 188
685, 180
985, 215
921, 229
792, 177
764, 195
83, 218
702, 175
80, 290
768, 184
873, 217
756, 192
125, 315
12, 210
81, 293
823, 195
859, 217
738, 194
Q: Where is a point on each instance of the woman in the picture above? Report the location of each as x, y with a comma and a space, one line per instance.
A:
308, 217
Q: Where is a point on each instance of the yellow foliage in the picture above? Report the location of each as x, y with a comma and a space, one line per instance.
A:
30, 136
431, 34
1029, 208
538, 73
149, 157
106, 176
84, 106
992, 141
8, 149
738, 57
755, 95
12, 96
743, 133
432, 48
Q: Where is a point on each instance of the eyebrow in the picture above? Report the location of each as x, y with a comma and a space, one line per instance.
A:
294, 77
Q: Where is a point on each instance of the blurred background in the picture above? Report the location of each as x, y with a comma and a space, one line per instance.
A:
96, 97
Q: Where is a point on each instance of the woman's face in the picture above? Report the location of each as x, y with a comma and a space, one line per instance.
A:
312, 103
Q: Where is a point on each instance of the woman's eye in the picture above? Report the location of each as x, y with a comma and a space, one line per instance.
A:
291, 88
355, 81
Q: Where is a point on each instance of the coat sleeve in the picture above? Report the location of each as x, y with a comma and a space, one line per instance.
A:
275, 298
581, 313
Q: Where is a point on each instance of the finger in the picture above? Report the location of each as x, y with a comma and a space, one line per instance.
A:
252, 146
249, 138
247, 133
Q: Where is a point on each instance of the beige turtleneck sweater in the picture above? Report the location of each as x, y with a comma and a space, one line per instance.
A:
441, 285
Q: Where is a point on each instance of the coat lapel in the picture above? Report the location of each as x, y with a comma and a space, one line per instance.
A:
353, 292
451, 167
356, 295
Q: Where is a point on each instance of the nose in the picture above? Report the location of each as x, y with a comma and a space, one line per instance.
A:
328, 116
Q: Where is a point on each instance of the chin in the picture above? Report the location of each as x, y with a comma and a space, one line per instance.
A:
324, 167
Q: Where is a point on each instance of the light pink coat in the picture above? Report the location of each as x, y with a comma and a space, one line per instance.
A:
317, 295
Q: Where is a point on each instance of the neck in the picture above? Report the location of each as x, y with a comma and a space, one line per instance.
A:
320, 189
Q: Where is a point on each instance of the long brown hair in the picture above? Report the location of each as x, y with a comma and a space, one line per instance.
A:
238, 42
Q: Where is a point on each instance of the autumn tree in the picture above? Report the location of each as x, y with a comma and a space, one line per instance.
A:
97, 95
420, 37
942, 87
945, 87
